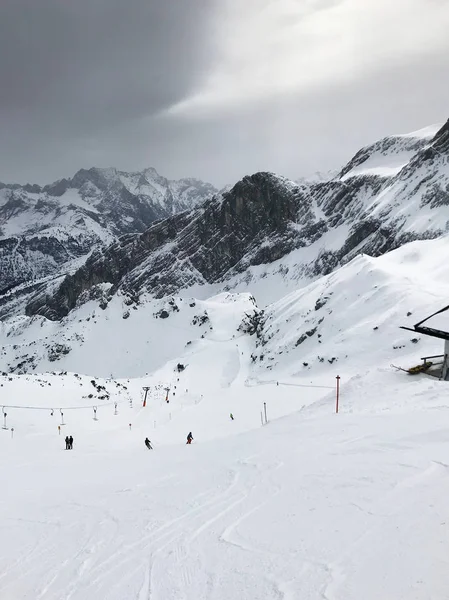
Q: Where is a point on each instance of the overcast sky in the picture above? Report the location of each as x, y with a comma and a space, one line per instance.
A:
213, 88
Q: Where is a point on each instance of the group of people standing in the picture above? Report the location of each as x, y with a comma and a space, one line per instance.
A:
68, 442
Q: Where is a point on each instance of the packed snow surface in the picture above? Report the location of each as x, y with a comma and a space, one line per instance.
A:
310, 505
314, 505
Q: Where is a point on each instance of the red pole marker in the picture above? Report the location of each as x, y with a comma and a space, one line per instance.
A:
338, 392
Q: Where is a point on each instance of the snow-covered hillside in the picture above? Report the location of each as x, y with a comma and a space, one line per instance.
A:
351, 317
389, 155
310, 505
342, 321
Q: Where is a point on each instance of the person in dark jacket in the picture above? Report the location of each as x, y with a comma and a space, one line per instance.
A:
189, 438
67, 442
148, 444
71, 442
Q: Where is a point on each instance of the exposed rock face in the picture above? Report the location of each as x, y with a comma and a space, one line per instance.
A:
390, 193
22, 257
43, 228
247, 226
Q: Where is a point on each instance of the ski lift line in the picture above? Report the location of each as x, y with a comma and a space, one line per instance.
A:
50, 408
323, 387
273, 382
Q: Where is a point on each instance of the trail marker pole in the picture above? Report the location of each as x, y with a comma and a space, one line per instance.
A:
145, 397
95, 413
261, 418
62, 417
115, 408
265, 411
338, 393
4, 419
130, 426
12, 432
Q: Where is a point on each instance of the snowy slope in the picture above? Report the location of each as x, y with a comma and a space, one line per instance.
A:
351, 317
310, 330
140, 338
389, 155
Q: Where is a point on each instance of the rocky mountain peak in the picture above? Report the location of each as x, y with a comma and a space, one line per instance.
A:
43, 230
441, 140
262, 200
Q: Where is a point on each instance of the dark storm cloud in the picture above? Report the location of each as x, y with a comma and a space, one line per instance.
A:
82, 65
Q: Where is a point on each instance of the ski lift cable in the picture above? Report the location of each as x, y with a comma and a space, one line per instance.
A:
274, 382
323, 387
50, 408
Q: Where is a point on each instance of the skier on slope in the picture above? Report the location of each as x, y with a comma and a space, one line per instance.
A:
189, 438
148, 444
232, 416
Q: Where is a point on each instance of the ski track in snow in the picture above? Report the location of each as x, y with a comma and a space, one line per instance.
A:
300, 508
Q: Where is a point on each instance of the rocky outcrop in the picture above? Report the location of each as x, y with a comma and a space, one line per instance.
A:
248, 225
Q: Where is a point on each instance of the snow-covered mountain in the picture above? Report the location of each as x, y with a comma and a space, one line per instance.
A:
267, 224
334, 322
42, 229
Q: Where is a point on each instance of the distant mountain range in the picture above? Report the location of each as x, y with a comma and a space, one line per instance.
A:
43, 230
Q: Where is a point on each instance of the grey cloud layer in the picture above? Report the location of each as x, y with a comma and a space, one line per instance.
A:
99, 59
83, 83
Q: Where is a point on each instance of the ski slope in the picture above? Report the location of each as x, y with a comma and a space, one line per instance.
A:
312, 505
